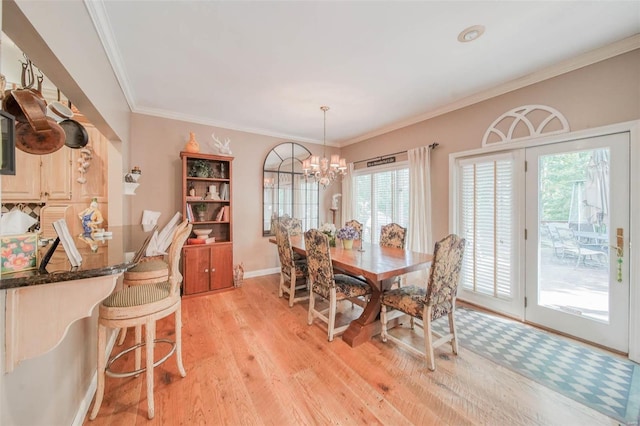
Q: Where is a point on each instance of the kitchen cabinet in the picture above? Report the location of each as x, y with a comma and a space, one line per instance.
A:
39, 178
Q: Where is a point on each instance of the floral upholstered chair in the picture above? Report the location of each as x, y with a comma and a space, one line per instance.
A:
393, 235
293, 272
324, 283
437, 300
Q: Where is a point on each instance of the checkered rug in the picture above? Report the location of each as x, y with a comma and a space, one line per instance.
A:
600, 380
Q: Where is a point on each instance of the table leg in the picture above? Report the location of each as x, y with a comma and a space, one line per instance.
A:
368, 324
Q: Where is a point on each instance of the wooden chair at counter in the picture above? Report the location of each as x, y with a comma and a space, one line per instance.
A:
137, 306
149, 270
324, 283
437, 300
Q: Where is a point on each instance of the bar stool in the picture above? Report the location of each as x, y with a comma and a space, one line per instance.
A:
137, 306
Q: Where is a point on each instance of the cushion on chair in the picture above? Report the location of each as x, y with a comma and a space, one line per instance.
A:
138, 295
346, 287
409, 300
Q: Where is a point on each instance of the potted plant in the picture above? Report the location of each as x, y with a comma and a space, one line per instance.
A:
201, 168
347, 235
200, 209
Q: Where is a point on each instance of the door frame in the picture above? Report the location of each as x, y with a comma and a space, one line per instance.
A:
633, 127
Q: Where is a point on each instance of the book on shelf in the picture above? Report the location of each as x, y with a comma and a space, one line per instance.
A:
220, 214
225, 214
61, 228
209, 240
194, 198
224, 191
190, 213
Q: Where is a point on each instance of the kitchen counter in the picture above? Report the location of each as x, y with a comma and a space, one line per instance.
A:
42, 304
100, 257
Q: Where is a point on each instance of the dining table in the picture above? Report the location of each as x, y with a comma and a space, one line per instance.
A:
378, 266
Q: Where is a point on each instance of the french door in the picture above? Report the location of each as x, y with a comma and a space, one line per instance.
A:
576, 249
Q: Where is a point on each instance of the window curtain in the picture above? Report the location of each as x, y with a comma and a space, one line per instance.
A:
419, 232
347, 212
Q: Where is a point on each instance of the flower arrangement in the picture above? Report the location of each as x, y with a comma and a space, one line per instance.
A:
348, 233
330, 230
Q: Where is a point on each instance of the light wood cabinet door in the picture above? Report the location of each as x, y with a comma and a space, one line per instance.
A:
55, 175
25, 184
96, 174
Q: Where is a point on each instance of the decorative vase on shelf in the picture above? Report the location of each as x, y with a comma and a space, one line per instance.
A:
347, 244
192, 145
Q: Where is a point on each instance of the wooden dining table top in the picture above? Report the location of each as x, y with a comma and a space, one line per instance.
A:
378, 265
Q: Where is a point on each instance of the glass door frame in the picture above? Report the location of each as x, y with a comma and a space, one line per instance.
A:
633, 127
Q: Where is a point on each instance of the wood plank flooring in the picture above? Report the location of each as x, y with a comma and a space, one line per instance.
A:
252, 360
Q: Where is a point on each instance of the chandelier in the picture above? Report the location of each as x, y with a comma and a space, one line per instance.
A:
324, 170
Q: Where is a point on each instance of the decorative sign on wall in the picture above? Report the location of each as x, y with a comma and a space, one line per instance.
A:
387, 160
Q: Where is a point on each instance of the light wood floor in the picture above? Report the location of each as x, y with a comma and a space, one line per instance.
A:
252, 360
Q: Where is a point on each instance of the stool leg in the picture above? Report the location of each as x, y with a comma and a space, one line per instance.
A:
138, 351
102, 349
123, 334
150, 328
183, 373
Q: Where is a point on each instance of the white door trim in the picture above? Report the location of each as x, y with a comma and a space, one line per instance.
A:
633, 127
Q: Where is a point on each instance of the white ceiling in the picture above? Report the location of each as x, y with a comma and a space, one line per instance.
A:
267, 66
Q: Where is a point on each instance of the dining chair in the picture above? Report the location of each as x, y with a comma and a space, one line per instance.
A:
427, 305
139, 306
394, 236
329, 286
355, 225
293, 273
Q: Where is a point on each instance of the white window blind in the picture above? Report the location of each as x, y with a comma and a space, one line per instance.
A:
486, 221
381, 197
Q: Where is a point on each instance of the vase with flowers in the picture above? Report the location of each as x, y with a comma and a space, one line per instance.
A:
347, 234
330, 230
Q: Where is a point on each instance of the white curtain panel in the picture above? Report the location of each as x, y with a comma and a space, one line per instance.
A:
347, 195
420, 236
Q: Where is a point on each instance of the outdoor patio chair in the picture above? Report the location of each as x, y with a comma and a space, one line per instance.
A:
573, 248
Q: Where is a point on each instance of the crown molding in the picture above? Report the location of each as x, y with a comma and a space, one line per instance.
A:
101, 23
563, 67
221, 124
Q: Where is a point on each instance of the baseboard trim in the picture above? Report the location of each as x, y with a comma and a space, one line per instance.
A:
261, 272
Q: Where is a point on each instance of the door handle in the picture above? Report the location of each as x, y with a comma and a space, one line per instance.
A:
619, 247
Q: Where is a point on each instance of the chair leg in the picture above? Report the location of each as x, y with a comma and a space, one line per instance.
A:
428, 339
383, 320
332, 313
181, 369
102, 349
150, 336
312, 303
280, 292
123, 335
138, 351
292, 287
452, 330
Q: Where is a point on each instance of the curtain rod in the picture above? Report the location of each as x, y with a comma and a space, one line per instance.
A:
431, 146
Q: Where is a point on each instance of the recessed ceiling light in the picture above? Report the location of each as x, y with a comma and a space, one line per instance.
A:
471, 33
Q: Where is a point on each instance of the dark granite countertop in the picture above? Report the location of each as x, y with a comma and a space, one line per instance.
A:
100, 257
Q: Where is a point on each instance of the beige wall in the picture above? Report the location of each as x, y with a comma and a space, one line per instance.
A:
155, 148
603, 93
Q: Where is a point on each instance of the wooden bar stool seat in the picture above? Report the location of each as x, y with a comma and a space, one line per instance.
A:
147, 272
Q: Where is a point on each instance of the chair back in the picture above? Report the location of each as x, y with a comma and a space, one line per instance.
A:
295, 227
392, 235
355, 225
445, 274
180, 235
285, 251
319, 260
